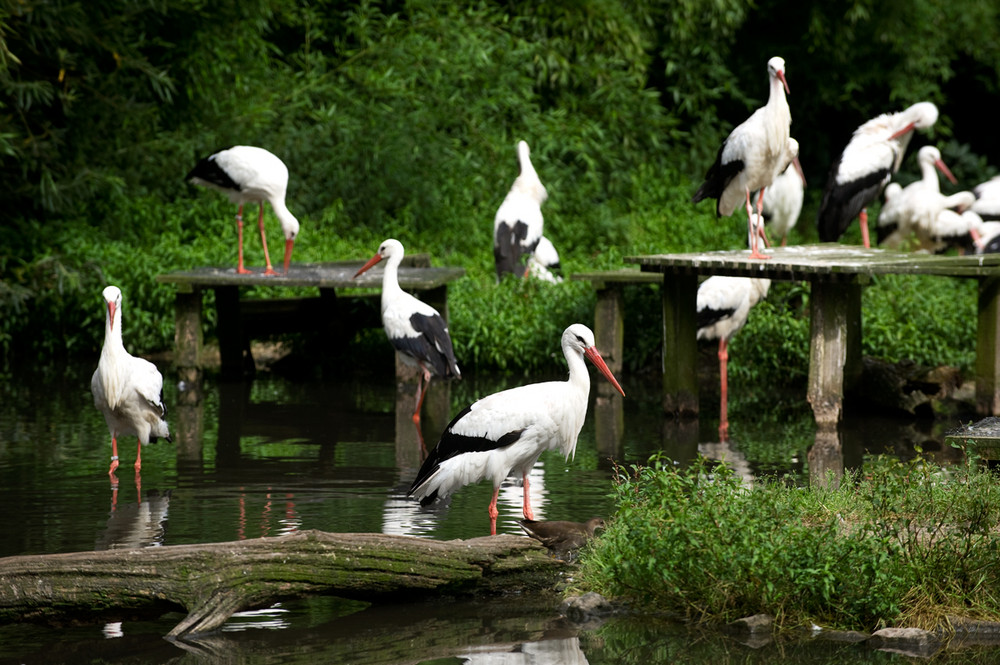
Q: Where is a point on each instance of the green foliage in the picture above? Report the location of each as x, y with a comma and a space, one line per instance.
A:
400, 120
900, 542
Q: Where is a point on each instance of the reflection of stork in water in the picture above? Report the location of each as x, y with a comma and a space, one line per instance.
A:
134, 525
288, 523
565, 651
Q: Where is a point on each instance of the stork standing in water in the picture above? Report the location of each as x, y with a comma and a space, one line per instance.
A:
752, 155
247, 174
126, 389
723, 307
506, 432
413, 327
866, 165
915, 207
518, 224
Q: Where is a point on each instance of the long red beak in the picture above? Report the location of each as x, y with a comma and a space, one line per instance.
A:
594, 356
798, 169
372, 261
111, 314
944, 169
288, 253
781, 75
904, 130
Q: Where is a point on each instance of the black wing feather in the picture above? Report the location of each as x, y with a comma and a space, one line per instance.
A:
209, 170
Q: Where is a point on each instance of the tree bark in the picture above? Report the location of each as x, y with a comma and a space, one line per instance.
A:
212, 581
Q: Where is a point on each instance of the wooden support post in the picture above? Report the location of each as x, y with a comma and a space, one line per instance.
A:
987, 351
188, 336
609, 325
680, 346
232, 337
831, 304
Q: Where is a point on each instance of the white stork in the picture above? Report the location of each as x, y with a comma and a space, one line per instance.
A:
518, 224
126, 389
723, 307
866, 165
247, 174
989, 238
783, 200
544, 262
987, 203
413, 327
916, 206
752, 155
506, 432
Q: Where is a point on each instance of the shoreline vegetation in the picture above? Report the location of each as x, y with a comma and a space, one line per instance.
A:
898, 544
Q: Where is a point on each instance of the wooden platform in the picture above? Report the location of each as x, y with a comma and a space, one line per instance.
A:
342, 307
836, 274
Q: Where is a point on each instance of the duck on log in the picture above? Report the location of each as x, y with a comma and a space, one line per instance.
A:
213, 581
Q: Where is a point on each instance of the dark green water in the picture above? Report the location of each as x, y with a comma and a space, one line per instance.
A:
272, 456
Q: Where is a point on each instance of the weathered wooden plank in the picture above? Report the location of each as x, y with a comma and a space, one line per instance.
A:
602, 278
680, 346
322, 275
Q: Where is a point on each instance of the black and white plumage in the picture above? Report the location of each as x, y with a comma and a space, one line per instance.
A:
248, 174
865, 166
752, 155
126, 389
417, 331
506, 432
544, 262
988, 238
914, 208
518, 224
723, 308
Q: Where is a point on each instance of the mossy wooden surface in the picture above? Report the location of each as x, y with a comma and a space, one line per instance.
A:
212, 581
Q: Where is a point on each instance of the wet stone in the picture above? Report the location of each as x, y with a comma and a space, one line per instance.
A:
758, 623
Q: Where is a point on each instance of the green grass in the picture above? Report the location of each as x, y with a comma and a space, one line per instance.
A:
897, 543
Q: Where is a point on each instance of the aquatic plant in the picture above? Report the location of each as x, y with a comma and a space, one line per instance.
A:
894, 543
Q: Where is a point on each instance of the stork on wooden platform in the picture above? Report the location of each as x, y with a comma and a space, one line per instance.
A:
723, 305
415, 329
506, 432
752, 155
518, 224
783, 200
127, 390
915, 207
248, 174
865, 166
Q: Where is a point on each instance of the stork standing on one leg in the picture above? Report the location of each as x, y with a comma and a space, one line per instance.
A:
723, 307
506, 432
752, 155
413, 327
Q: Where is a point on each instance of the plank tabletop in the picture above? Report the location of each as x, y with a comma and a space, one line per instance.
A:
333, 275
829, 261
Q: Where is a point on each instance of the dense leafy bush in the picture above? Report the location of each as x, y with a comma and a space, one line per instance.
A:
901, 542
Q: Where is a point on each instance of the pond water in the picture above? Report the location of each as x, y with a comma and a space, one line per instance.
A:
272, 455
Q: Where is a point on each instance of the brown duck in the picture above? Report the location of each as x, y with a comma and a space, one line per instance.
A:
562, 537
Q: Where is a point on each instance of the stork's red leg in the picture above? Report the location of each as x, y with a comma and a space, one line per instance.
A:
268, 270
239, 251
863, 219
754, 254
723, 390
422, 385
528, 515
114, 455
138, 457
494, 512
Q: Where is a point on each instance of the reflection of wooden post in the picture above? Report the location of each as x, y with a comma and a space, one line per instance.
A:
987, 351
188, 338
679, 439
188, 429
409, 452
680, 346
609, 421
233, 399
826, 459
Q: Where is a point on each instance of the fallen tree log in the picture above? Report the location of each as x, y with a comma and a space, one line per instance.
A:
212, 581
